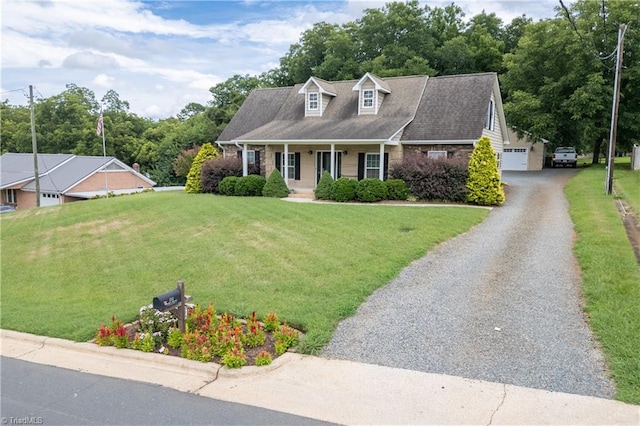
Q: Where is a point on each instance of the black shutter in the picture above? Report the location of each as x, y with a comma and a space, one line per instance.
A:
239, 153
257, 163
297, 163
278, 159
386, 165
360, 165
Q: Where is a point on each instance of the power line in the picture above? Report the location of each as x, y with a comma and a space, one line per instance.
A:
22, 89
584, 42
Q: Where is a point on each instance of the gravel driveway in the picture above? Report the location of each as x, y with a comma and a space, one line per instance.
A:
500, 303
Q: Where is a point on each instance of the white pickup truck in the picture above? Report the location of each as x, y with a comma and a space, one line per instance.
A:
563, 156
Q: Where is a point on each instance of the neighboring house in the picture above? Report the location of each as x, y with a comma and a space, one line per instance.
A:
360, 128
523, 153
65, 178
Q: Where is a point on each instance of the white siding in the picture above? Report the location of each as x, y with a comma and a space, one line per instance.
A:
380, 99
495, 135
325, 101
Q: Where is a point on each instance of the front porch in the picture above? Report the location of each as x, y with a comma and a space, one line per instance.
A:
302, 165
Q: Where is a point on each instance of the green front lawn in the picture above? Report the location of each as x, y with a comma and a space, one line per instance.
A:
610, 272
67, 269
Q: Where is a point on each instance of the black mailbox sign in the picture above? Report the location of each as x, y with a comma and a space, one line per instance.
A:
167, 300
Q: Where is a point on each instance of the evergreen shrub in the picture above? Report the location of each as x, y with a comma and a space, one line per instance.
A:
323, 190
194, 178
227, 185
484, 186
434, 179
275, 186
343, 190
250, 186
397, 189
371, 190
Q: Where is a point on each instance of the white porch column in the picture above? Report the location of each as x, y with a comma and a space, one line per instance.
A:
333, 161
245, 160
285, 164
381, 175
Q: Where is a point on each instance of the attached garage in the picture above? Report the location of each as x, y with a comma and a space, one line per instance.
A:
515, 159
523, 153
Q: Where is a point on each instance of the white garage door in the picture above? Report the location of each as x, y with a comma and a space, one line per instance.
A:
514, 159
49, 199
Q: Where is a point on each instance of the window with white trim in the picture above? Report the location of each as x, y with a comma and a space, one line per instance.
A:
12, 196
499, 160
367, 98
251, 157
372, 166
313, 101
291, 165
489, 122
437, 155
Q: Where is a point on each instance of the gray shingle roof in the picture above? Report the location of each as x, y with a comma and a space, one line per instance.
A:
18, 168
72, 172
440, 108
58, 172
453, 108
278, 114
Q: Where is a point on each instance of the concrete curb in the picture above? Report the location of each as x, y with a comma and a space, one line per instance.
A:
336, 391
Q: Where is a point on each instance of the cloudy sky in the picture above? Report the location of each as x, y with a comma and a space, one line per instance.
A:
161, 55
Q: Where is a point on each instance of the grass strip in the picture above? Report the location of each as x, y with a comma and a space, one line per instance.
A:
611, 278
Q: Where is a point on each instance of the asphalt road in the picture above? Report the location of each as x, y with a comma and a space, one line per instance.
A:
501, 302
40, 394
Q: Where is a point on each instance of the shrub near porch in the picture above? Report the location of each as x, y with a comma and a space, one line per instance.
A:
66, 269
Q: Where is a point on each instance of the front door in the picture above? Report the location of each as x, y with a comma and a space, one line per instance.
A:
323, 162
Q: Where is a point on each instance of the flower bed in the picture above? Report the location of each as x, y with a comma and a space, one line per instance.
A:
208, 337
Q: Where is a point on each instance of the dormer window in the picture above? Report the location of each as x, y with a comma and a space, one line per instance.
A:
367, 98
313, 101
317, 95
371, 92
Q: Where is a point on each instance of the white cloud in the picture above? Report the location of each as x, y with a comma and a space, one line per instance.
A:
158, 64
104, 80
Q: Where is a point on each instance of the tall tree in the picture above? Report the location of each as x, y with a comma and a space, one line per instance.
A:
569, 101
15, 128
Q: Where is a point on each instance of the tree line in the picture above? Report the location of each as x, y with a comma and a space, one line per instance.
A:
556, 76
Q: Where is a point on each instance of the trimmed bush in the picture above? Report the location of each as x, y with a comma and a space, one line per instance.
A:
371, 190
275, 186
213, 171
227, 185
250, 186
323, 190
194, 178
434, 179
343, 190
484, 183
397, 189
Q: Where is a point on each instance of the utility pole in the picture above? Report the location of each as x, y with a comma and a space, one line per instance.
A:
34, 145
614, 111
